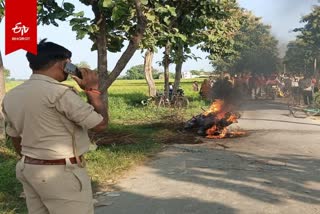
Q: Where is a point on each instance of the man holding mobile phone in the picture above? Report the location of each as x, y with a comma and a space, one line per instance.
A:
48, 123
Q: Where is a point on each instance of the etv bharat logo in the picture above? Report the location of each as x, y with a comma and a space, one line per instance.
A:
20, 29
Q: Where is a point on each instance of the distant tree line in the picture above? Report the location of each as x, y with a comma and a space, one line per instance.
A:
137, 72
303, 54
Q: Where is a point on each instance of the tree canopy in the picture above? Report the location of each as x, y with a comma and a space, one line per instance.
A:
178, 25
302, 53
6, 73
254, 48
137, 72
296, 59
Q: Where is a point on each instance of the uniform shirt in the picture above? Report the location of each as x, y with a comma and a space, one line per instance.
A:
45, 114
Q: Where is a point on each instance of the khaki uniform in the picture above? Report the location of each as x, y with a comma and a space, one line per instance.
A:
46, 115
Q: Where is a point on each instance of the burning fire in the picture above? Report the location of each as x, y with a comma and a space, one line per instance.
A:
216, 108
213, 123
225, 118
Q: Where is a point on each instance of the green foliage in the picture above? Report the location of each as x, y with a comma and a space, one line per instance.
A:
161, 76
120, 19
218, 37
185, 23
297, 59
255, 49
2, 5
195, 72
6, 73
317, 99
10, 188
50, 11
309, 34
302, 52
137, 72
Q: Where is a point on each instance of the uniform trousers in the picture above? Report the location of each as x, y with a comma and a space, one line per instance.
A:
55, 189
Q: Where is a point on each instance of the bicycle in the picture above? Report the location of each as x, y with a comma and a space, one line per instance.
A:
159, 100
178, 100
295, 107
162, 101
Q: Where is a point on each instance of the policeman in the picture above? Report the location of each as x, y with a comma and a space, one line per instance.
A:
48, 123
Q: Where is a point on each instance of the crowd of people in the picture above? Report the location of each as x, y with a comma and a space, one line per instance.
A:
255, 86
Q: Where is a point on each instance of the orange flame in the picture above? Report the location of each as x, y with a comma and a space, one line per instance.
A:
215, 107
219, 109
212, 130
233, 118
221, 135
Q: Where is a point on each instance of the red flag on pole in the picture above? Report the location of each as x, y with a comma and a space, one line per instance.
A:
21, 25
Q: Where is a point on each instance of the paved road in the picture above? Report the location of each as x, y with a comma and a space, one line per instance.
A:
276, 169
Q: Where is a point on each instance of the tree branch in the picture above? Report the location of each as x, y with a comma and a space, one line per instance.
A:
132, 47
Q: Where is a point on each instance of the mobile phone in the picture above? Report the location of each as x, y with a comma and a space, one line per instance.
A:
70, 68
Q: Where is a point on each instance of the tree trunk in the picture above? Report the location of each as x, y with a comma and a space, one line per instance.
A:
101, 40
2, 93
166, 68
148, 73
177, 77
122, 62
106, 79
132, 47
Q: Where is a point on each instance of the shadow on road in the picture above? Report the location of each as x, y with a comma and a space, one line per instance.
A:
224, 182
267, 179
138, 204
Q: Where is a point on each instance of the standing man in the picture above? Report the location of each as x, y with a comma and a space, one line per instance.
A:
306, 86
48, 123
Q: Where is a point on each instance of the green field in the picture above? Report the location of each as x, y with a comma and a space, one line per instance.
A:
136, 132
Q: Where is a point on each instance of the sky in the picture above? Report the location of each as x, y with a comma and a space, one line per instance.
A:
282, 15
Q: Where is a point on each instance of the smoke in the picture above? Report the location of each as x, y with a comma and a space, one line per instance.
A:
292, 6
289, 14
283, 16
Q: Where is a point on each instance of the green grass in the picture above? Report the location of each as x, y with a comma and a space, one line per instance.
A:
10, 188
127, 117
109, 162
